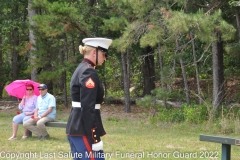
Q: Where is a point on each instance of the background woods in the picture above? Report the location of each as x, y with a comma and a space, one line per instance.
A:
156, 45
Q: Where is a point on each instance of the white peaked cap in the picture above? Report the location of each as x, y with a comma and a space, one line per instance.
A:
97, 42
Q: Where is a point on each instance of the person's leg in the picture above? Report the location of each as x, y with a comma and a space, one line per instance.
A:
31, 125
81, 149
42, 127
15, 129
100, 155
78, 148
25, 133
16, 120
26, 118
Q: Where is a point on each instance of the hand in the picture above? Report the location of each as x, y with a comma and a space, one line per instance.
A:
97, 146
23, 101
35, 119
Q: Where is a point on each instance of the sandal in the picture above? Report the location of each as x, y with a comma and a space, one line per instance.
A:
12, 138
24, 137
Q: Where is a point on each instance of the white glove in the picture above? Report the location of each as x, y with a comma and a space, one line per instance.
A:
97, 146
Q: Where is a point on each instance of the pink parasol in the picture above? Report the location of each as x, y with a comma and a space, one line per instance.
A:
18, 88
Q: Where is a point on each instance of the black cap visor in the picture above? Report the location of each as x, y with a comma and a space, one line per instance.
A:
105, 51
101, 49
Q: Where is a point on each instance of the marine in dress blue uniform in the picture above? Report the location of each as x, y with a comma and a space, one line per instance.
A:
84, 128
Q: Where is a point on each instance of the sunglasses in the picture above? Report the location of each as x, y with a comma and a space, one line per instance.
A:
29, 89
40, 89
104, 52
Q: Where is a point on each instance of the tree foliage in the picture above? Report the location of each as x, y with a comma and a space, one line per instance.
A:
144, 28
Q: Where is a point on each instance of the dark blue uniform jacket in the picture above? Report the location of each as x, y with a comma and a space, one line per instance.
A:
87, 89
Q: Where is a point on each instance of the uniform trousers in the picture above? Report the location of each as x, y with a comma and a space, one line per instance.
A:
82, 150
38, 127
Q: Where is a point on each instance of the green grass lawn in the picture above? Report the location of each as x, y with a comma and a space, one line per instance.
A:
125, 139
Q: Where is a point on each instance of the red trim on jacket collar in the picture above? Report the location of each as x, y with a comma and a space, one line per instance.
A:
89, 61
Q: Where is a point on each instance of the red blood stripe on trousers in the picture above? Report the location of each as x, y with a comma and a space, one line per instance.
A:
89, 149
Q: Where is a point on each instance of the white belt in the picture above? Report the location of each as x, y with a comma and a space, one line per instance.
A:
78, 105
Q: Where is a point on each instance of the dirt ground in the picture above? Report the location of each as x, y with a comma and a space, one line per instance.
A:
108, 111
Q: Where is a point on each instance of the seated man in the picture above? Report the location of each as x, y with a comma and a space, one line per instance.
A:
45, 112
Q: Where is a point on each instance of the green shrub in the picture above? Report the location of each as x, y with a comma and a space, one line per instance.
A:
171, 115
147, 102
164, 115
177, 115
195, 114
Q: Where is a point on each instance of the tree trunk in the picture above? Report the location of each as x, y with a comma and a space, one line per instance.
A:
1, 67
183, 74
64, 74
64, 83
161, 70
196, 68
15, 54
32, 41
104, 80
148, 70
15, 43
127, 101
238, 22
91, 2
218, 70
126, 83
73, 47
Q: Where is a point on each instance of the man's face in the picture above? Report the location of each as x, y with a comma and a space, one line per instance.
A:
42, 91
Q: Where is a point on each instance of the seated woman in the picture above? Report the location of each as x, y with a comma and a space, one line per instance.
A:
27, 105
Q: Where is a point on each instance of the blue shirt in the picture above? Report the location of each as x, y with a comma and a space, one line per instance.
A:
45, 102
